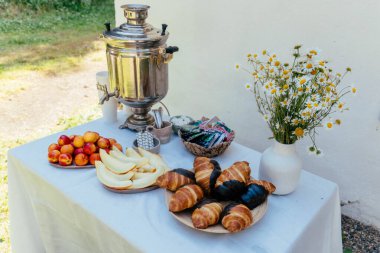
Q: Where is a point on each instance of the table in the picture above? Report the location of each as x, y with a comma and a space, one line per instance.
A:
68, 211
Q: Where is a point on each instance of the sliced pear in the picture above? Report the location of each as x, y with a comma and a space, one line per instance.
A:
105, 178
114, 164
116, 153
130, 152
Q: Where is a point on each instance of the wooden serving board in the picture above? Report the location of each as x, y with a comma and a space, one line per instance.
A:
72, 166
185, 217
146, 189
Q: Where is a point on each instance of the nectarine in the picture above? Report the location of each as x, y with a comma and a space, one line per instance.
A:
81, 159
78, 151
103, 143
63, 140
67, 149
54, 146
112, 141
118, 145
65, 159
90, 136
94, 157
53, 156
89, 148
78, 141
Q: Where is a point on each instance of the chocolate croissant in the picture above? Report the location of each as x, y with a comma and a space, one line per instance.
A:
174, 179
206, 173
207, 214
257, 193
267, 185
239, 171
232, 182
236, 217
185, 197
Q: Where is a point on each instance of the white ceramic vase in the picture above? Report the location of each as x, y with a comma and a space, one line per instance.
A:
281, 165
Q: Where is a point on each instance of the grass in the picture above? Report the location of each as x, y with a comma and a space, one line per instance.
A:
49, 41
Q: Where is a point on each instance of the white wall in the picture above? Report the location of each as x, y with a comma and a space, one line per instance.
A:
214, 35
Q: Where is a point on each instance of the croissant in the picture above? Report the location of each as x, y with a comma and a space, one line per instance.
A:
239, 171
206, 215
236, 217
267, 185
257, 192
172, 180
185, 197
232, 182
206, 173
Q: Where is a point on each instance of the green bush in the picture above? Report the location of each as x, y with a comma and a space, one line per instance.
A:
53, 4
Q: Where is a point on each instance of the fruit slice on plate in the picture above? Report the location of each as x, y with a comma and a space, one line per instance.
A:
105, 178
146, 179
155, 160
116, 153
130, 152
114, 164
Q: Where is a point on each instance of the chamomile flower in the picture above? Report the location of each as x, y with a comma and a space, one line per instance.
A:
237, 66
354, 90
248, 86
266, 117
311, 150
287, 119
319, 152
284, 103
338, 122
329, 124
340, 106
299, 132
295, 122
302, 80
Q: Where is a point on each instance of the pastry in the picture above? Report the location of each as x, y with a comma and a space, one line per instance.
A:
257, 192
207, 214
185, 197
232, 182
206, 173
174, 179
236, 217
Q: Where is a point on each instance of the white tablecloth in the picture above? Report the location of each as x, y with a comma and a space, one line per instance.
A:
68, 211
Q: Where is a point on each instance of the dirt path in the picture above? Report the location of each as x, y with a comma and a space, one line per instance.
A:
33, 102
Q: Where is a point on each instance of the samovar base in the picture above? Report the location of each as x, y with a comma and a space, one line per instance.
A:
139, 120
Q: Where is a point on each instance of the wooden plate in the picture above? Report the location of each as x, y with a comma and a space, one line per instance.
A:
146, 189
72, 166
185, 217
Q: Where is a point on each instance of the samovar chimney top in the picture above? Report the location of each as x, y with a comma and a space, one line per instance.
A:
135, 13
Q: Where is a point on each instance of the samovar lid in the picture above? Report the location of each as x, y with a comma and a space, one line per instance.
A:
136, 32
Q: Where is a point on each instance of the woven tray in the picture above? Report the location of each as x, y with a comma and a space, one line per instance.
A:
198, 150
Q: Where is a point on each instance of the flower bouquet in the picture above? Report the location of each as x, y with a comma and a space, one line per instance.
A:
296, 98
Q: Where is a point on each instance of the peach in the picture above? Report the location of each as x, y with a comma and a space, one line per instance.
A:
78, 141
65, 159
63, 140
90, 136
81, 159
54, 146
89, 148
112, 141
103, 143
118, 145
67, 149
53, 156
78, 151
94, 157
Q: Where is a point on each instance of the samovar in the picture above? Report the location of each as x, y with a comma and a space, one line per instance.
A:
137, 59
